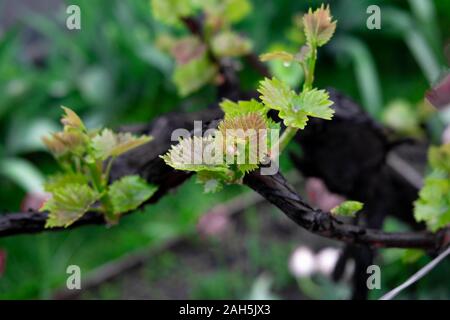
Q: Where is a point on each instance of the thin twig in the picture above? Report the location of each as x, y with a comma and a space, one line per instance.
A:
405, 170
417, 276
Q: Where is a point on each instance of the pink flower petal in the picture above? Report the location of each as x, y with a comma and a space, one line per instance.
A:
2, 261
439, 96
319, 195
214, 223
33, 201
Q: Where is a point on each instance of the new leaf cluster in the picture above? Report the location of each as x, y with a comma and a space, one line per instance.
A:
433, 205
238, 137
86, 157
293, 108
197, 55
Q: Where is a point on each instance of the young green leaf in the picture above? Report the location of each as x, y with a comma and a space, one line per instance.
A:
314, 103
71, 119
235, 109
69, 203
347, 208
109, 144
61, 143
253, 121
295, 109
275, 94
84, 179
187, 155
319, 27
294, 118
243, 136
433, 205
236, 145
59, 180
129, 193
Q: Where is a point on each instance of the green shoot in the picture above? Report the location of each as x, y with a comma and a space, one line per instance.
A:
250, 117
433, 205
347, 208
86, 157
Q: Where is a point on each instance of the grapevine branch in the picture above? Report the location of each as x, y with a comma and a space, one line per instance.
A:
276, 190
146, 162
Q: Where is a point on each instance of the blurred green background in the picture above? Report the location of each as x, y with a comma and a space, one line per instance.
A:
112, 74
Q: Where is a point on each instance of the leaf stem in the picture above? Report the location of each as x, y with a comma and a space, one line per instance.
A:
108, 169
309, 79
309, 69
101, 187
285, 138
108, 208
96, 177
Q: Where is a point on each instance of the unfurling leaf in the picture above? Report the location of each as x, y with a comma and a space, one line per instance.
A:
318, 26
109, 144
225, 157
187, 155
243, 136
234, 109
63, 142
250, 121
71, 119
230, 44
72, 139
69, 203
129, 193
347, 208
277, 55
